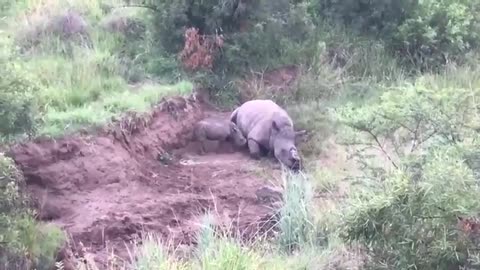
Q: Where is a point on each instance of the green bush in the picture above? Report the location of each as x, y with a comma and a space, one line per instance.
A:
17, 105
422, 214
172, 18
11, 180
427, 33
414, 221
439, 31
23, 242
257, 35
284, 36
412, 118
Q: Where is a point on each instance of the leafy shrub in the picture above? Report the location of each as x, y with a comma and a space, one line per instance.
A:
423, 213
11, 181
429, 32
424, 220
377, 16
23, 242
439, 31
254, 35
172, 18
17, 105
411, 118
284, 36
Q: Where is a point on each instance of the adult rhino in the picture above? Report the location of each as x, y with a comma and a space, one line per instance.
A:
268, 127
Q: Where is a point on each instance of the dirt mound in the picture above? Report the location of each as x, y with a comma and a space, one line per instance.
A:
141, 174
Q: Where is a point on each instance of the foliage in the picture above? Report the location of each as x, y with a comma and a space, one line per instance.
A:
23, 242
248, 35
413, 221
172, 18
409, 217
428, 32
414, 114
12, 201
17, 105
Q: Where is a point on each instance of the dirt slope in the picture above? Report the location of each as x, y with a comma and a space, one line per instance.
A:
141, 174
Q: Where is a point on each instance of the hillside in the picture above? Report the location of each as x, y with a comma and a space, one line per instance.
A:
99, 169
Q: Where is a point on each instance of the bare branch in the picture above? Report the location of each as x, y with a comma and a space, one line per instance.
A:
427, 138
415, 136
377, 141
393, 120
382, 148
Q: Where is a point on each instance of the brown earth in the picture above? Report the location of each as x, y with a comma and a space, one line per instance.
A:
142, 174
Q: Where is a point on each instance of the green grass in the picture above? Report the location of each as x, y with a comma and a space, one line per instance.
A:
153, 254
296, 224
82, 84
58, 122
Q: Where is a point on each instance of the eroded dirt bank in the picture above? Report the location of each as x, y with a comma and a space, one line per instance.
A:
138, 175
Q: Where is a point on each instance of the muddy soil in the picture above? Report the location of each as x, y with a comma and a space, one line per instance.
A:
142, 174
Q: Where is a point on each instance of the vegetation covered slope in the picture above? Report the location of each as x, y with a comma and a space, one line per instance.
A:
394, 82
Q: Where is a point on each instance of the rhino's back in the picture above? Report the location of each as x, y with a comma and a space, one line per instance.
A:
214, 128
257, 114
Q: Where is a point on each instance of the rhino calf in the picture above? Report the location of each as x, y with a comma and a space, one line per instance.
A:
267, 126
214, 129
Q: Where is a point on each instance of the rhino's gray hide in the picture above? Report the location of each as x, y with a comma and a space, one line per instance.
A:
266, 124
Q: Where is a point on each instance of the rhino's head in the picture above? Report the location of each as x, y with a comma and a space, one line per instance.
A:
236, 135
283, 143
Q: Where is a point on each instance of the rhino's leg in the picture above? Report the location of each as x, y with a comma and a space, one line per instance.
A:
201, 148
254, 149
269, 153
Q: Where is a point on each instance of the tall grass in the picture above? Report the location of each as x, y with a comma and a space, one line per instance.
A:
153, 254
296, 224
